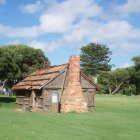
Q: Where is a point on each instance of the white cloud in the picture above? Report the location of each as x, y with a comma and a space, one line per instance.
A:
53, 23
118, 30
32, 8
132, 6
19, 32
72, 8
46, 47
60, 17
2, 2
97, 31
125, 65
76, 21
122, 49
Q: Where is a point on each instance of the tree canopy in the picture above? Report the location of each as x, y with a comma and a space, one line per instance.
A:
136, 73
136, 61
17, 61
124, 81
95, 58
114, 81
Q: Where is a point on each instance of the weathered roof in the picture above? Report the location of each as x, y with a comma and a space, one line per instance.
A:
39, 78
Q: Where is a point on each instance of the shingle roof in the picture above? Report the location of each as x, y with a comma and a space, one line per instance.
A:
39, 78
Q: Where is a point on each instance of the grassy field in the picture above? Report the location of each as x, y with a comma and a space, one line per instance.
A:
115, 118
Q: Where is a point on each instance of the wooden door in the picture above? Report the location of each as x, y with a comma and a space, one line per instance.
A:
46, 101
33, 101
90, 101
54, 101
50, 101
20, 102
27, 104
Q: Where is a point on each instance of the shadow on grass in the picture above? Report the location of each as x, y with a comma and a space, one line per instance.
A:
7, 99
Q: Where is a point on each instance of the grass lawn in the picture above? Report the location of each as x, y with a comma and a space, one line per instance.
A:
115, 118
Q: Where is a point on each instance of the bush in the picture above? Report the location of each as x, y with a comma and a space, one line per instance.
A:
131, 90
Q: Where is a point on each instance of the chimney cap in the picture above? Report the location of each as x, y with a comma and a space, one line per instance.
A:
71, 56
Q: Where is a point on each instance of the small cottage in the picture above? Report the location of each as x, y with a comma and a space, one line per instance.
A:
61, 88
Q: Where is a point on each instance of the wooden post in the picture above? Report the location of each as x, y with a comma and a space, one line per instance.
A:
33, 101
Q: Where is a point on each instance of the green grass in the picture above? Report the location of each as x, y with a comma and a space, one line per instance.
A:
115, 118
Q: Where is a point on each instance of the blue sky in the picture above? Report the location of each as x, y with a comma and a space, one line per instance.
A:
61, 27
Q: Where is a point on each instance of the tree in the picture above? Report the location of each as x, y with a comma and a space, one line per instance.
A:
95, 58
136, 61
125, 81
136, 74
103, 82
17, 61
118, 79
114, 81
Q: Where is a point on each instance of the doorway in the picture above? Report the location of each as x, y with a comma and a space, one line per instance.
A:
50, 101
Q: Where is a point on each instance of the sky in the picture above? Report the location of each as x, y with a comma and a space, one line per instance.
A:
61, 27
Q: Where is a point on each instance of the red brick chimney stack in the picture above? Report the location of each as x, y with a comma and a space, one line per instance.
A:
74, 69
73, 98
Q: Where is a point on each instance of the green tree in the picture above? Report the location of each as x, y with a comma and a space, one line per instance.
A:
114, 81
118, 79
103, 82
17, 61
95, 58
136, 61
136, 74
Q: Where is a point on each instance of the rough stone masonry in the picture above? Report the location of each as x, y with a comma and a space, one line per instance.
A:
73, 98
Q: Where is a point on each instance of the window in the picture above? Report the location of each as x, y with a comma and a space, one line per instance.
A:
54, 97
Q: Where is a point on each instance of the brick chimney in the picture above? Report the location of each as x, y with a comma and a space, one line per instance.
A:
73, 98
